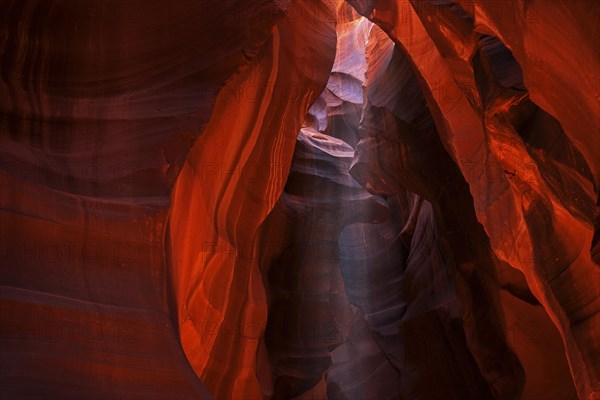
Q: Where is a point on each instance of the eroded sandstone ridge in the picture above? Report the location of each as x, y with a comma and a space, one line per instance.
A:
308, 199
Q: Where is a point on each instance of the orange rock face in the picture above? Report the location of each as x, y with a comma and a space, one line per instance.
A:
290, 199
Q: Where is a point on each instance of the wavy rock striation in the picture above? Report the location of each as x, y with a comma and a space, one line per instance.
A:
499, 120
101, 102
243, 156
290, 199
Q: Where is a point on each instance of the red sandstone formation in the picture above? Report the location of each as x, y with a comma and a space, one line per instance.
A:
290, 199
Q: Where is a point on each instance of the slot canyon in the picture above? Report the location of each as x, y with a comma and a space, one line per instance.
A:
300, 199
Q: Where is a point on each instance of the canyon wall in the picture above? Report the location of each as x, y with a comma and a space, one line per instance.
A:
358, 199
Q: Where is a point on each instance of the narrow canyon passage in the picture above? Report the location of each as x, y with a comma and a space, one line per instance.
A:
293, 199
354, 261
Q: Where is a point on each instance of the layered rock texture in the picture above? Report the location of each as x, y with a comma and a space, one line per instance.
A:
292, 199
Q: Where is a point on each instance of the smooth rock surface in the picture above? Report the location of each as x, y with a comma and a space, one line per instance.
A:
300, 199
